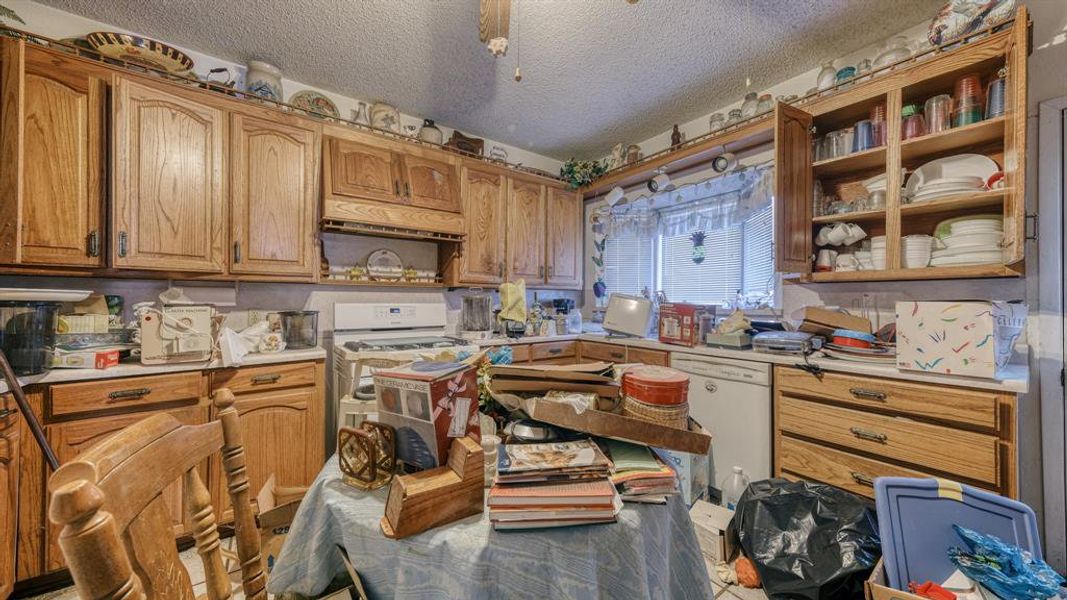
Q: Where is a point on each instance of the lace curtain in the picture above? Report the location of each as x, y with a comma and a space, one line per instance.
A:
704, 206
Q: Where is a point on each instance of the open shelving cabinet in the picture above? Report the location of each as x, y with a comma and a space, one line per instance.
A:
1001, 138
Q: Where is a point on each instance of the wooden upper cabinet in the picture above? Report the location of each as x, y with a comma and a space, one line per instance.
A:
793, 190
363, 171
430, 183
485, 211
168, 188
526, 231
563, 220
54, 129
272, 197
1015, 139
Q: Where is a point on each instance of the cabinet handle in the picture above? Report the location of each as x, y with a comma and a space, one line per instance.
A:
618, 355
94, 243
125, 394
6, 412
862, 479
396, 187
541, 271
550, 270
123, 240
272, 378
863, 434
407, 189
869, 394
555, 350
237, 252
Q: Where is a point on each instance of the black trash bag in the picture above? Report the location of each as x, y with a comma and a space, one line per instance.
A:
807, 540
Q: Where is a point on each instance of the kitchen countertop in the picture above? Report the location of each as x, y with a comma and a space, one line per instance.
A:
1016, 379
133, 369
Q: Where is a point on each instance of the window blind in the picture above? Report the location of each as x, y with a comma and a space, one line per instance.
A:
628, 264
758, 249
713, 281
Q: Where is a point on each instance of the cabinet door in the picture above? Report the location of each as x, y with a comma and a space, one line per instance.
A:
63, 161
484, 209
72, 438
1015, 140
169, 208
272, 193
430, 183
9, 487
563, 219
526, 231
793, 197
363, 171
278, 438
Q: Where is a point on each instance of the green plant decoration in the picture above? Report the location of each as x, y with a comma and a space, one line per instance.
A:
581, 172
6, 14
699, 252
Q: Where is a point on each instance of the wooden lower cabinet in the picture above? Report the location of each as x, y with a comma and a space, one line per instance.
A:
847, 431
71, 438
9, 486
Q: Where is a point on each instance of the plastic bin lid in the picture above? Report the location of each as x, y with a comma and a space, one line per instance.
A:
915, 519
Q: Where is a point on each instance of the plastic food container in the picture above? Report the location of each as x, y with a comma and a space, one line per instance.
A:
28, 335
855, 339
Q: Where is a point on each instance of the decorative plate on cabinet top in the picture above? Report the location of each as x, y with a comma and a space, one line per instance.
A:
314, 102
385, 265
143, 51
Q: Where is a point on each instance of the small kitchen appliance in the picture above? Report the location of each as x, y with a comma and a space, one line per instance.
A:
628, 315
300, 328
476, 318
28, 334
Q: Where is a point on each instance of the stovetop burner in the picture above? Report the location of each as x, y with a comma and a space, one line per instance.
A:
419, 343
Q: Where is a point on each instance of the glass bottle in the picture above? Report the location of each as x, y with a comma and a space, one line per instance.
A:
734, 117
749, 106
765, 105
827, 76
716, 122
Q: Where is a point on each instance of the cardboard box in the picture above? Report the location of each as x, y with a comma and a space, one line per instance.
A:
875, 587
971, 338
711, 523
85, 359
695, 440
428, 403
692, 472
822, 321
680, 324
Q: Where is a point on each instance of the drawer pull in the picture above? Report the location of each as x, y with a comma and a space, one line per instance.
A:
6, 412
869, 394
555, 350
126, 394
863, 434
272, 378
862, 479
618, 355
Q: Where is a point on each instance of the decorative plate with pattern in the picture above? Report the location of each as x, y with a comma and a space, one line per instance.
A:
139, 50
314, 102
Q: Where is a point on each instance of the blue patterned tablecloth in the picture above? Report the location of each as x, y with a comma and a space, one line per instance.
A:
652, 552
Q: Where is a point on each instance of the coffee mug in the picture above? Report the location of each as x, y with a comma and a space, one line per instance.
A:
826, 260
846, 262
855, 233
822, 238
838, 234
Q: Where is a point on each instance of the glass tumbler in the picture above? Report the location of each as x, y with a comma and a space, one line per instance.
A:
914, 125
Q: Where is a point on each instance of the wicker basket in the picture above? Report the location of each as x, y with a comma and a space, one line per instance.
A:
676, 416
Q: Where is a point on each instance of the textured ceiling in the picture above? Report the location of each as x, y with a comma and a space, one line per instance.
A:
595, 72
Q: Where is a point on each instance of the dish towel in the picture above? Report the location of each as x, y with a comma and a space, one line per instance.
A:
513, 301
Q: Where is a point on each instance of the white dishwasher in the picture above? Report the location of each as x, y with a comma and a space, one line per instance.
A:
732, 400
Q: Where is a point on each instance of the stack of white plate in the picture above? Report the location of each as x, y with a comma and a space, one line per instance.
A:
917, 250
970, 241
948, 186
878, 252
865, 259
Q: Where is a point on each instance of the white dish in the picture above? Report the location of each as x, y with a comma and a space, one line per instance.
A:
944, 228
977, 258
943, 193
966, 181
42, 295
964, 251
385, 265
976, 227
978, 238
959, 165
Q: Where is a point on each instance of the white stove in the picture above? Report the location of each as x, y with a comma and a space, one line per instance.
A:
367, 336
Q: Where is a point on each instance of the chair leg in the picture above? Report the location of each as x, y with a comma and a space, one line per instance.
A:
200, 516
90, 541
253, 577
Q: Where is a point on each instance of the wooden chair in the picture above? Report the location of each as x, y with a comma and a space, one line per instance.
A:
117, 534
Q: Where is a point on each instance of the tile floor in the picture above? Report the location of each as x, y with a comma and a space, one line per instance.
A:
727, 591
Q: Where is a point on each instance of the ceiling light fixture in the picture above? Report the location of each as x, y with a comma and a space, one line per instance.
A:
616, 195
661, 182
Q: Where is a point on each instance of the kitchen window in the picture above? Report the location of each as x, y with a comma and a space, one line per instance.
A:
738, 257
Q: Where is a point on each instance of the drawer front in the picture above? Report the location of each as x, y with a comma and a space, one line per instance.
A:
566, 360
594, 351
520, 353
264, 378
546, 350
648, 357
828, 465
128, 393
961, 453
970, 407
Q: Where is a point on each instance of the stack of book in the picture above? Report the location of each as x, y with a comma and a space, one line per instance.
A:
552, 485
640, 474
